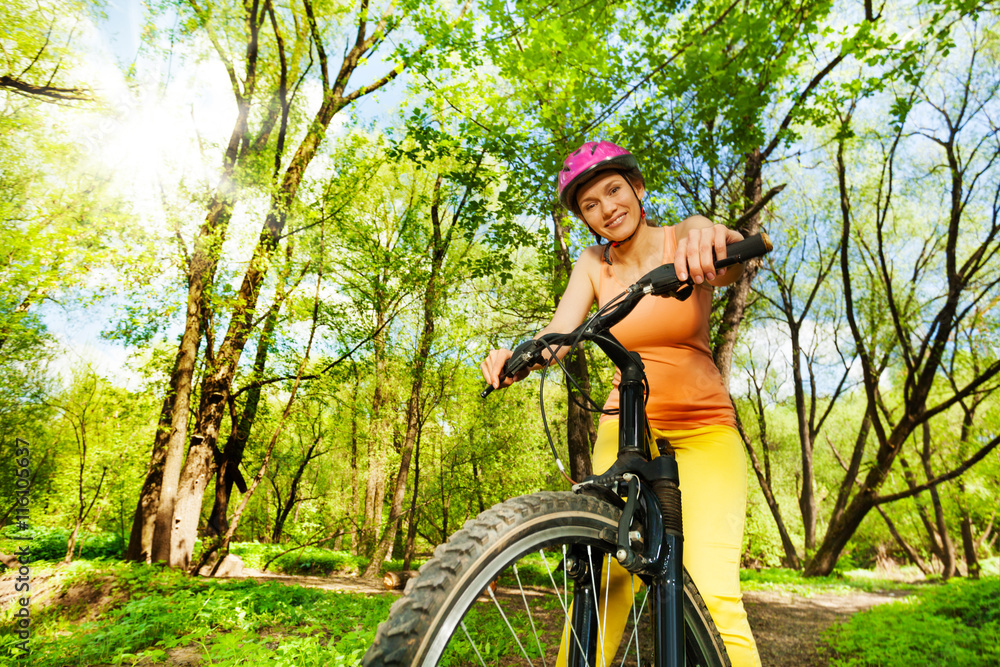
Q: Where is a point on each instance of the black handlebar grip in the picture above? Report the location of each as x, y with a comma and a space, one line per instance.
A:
750, 247
504, 374
487, 391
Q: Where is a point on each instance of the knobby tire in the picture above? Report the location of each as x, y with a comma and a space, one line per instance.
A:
427, 626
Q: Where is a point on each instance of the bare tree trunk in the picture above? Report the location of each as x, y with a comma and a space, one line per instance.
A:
144, 519
807, 497
969, 547
82, 514
791, 558
910, 552
377, 447
231, 457
173, 455
738, 293
580, 431
411, 528
933, 536
355, 473
222, 545
293, 492
948, 565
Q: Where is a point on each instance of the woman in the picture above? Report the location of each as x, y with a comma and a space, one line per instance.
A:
688, 403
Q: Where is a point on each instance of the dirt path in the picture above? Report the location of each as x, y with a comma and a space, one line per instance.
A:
789, 628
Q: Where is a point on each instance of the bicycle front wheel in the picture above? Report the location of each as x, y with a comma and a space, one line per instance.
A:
497, 592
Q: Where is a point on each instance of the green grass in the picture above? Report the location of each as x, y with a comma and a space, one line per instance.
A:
230, 622
792, 581
50, 544
313, 561
957, 623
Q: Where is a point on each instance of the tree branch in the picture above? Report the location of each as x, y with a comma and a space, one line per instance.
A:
978, 456
45, 93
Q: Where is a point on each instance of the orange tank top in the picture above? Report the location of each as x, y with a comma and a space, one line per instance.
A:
671, 336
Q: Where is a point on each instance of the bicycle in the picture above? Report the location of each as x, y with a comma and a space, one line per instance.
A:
632, 511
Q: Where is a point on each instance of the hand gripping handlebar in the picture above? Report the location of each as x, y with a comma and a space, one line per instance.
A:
661, 281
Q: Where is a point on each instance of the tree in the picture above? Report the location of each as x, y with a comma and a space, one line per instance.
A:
455, 212
922, 320
37, 54
278, 46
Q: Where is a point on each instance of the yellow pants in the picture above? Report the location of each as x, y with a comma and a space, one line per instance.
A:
713, 486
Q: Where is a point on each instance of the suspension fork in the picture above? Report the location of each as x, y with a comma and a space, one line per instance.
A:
667, 600
668, 579
664, 561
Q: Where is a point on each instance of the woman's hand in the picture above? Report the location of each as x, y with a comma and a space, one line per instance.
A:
492, 367
694, 251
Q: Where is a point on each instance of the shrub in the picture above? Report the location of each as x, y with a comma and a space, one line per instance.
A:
51, 543
955, 624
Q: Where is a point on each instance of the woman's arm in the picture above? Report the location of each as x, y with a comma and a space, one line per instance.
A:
697, 237
581, 291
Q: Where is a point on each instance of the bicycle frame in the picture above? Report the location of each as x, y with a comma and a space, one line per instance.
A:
651, 487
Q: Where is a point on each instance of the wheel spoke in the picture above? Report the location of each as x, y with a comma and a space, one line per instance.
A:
527, 608
562, 600
635, 625
593, 586
509, 626
472, 643
604, 621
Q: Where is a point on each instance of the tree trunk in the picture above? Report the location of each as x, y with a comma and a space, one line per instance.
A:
933, 537
173, 456
144, 519
293, 493
791, 558
948, 557
807, 496
411, 527
969, 547
738, 293
222, 545
910, 552
580, 431
377, 447
355, 473
82, 514
228, 472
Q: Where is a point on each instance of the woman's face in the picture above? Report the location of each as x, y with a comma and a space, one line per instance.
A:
608, 205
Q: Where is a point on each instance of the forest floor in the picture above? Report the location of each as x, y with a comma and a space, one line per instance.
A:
788, 627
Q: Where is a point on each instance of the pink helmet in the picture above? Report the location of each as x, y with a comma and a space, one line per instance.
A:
587, 160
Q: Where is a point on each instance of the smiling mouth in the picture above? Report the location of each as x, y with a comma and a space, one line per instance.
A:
616, 221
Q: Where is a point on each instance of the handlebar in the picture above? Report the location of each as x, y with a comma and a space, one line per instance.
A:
661, 281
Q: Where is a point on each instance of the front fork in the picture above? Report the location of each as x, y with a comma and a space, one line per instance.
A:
667, 600
660, 566
583, 649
